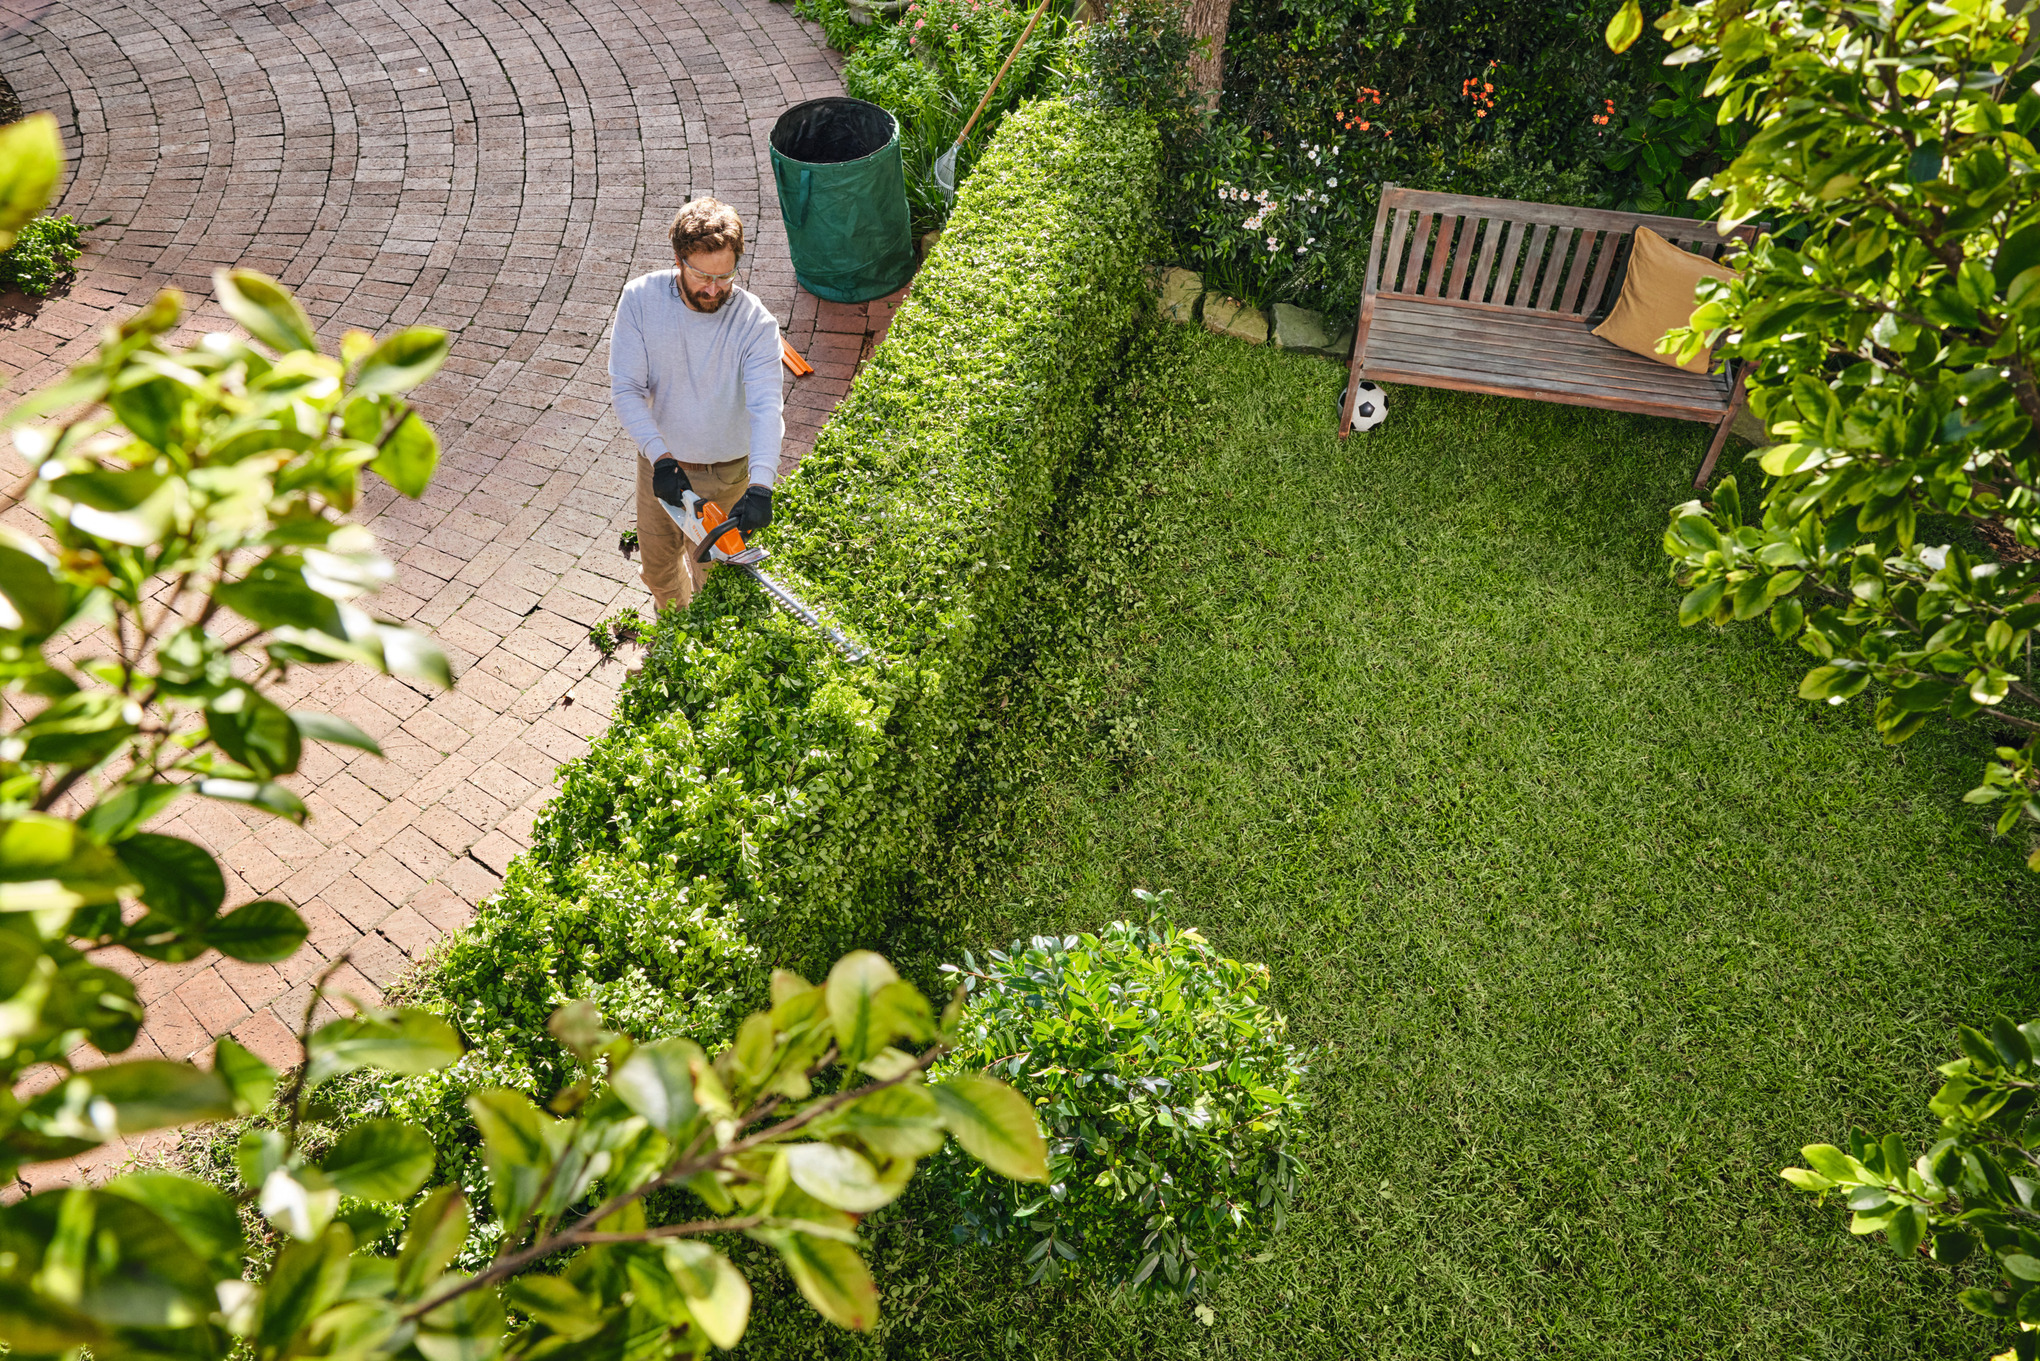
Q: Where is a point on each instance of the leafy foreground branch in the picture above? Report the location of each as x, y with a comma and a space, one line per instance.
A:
151, 1263
1978, 1185
1891, 331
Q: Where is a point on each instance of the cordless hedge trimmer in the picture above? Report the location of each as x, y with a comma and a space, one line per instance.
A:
701, 520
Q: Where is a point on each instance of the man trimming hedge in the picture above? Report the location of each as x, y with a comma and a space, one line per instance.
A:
694, 373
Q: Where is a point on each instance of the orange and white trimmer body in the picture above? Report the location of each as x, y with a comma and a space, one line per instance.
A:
699, 520
703, 522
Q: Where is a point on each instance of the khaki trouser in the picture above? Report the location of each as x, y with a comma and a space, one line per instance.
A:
667, 565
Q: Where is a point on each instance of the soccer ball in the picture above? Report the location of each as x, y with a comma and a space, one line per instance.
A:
1370, 406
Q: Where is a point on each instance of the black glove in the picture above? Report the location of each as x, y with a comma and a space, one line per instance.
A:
668, 482
753, 510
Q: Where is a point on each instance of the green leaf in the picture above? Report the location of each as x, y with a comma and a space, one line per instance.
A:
2020, 1265
121, 813
300, 1201
2011, 1044
409, 457
261, 932
832, 1278
265, 309
994, 1124
839, 1177
178, 878
556, 1304
1805, 1180
717, 1294
306, 1280
267, 795
31, 164
252, 1082
518, 1147
439, 1226
402, 362
408, 653
1835, 1165
200, 1214
274, 594
1908, 1227
40, 603
408, 1041
254, 731
258, 1153
853, 989
578, 1026
1626, 27
469, 1328
130, 1098
333, 728
33, 1322
901, 1121
380, 1160
657, 1082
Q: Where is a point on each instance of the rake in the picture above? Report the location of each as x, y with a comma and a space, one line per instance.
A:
945, 164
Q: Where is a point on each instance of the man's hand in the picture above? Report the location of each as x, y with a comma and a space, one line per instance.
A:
753, 510
668, 482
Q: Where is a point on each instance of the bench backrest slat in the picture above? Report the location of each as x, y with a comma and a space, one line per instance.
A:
1469, 233
1447, 227
1551, 257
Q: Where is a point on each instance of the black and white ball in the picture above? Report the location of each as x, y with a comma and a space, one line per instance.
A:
1370, 407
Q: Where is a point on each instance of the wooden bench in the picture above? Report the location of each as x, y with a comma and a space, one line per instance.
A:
1490, 295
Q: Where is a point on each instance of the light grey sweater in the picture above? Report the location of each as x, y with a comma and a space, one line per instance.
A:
701, 386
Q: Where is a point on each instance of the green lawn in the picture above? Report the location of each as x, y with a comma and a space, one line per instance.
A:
1590, 921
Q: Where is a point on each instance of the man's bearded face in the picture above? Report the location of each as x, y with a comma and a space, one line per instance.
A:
707, 278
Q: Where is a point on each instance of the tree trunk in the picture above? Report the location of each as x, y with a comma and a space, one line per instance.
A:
1207, 19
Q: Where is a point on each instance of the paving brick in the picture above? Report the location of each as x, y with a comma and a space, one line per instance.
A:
269, 1039
211, 1001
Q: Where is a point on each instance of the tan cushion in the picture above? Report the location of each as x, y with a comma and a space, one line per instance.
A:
1657, 296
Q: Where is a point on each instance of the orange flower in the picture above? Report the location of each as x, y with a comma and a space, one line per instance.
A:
1489, 88
1363, 125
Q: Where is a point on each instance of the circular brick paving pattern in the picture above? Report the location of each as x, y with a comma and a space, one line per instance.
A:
494, 167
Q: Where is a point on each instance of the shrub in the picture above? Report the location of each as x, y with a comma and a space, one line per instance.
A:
43, 254
1167, 1090
746, 750
660, 957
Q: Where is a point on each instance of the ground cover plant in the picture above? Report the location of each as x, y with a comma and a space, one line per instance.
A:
44, 254
1588, 921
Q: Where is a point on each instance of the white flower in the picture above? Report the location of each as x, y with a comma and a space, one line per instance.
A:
1271, 243
1310, 240
1331, 184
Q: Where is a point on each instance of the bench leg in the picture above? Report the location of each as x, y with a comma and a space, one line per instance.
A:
1735, 406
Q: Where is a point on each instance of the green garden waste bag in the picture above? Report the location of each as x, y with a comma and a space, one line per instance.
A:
843, 195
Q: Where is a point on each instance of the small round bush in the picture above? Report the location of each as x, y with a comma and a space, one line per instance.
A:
1167, 1090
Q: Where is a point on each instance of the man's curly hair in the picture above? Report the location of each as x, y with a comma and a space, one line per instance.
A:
707, 224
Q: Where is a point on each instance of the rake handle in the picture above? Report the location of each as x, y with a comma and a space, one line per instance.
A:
964, 136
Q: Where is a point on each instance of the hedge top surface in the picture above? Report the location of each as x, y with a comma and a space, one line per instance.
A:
904, 503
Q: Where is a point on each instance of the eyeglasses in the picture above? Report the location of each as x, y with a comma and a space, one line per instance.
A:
715, 280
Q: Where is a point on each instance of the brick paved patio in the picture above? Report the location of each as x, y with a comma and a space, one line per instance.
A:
498, 168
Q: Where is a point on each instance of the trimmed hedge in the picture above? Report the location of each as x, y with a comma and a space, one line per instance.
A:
747, 751
756, 787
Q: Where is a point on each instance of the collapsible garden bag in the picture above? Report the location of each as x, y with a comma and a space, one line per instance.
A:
843, 195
